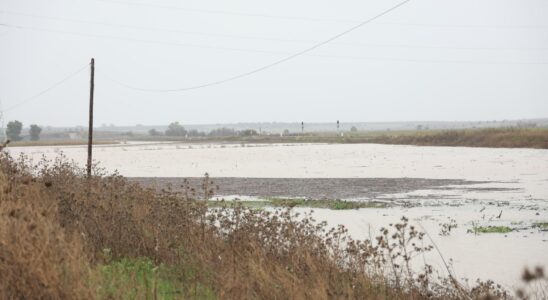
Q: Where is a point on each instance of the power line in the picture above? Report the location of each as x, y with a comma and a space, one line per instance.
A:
278, 61
170, 43
359, 58
437, 61
300, 18
269, 65
219, 12
472, 26
240, 36
138, 40
133, 26
72, 20
58, 83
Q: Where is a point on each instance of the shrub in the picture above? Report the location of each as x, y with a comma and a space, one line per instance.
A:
175, 129
38, 258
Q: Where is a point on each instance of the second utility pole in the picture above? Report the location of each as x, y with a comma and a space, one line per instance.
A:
90, 128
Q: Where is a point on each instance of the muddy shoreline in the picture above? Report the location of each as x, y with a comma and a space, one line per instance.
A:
310, 188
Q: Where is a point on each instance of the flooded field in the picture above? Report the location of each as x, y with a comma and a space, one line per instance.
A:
473, 188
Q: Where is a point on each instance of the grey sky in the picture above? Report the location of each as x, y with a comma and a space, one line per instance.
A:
427, 60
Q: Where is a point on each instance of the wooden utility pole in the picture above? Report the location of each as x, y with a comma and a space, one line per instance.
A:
90, 128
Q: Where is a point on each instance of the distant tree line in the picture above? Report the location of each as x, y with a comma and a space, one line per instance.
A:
14, 129
177, 130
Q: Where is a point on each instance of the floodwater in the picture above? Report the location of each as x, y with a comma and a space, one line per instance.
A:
513, 192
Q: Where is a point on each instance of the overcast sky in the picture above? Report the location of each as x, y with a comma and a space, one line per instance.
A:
427, 60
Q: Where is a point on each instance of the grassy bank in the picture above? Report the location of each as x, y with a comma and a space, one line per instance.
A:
63, 236
57, 143
495, 138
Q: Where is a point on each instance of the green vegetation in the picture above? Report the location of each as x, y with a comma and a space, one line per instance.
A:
490, 229
135, 277
476, 229
280, 202
541, 225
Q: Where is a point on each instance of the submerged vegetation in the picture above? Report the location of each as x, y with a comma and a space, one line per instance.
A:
515, 226
541, 226
66, 236
490, 229
296, 202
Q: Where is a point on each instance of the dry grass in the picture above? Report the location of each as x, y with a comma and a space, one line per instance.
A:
63, 236
38, 258
489, 137
58, 143
495, 138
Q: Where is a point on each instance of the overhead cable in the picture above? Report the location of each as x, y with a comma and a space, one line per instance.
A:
244, 37
56, 84
280, 61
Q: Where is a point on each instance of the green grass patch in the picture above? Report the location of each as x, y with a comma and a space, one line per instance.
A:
281, 202
541, 225
490, 229
141, 279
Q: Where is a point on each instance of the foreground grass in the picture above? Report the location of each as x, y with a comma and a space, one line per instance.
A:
135, 277
280, 202
141, 278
